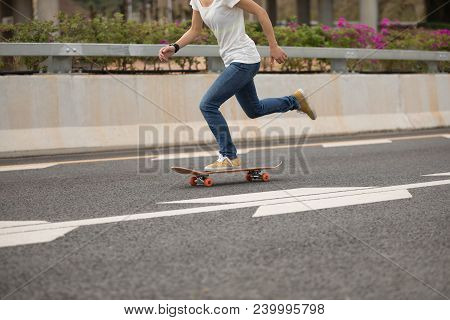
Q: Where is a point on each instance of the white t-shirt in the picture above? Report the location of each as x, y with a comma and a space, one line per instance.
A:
227, 23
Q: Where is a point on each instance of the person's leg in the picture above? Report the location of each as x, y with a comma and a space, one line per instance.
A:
224, 87
255, 108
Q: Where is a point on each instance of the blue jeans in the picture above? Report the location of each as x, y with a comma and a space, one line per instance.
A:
237, 79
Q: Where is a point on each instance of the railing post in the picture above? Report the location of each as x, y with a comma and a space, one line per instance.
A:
215, 64
59, 64
432, 66
339, 65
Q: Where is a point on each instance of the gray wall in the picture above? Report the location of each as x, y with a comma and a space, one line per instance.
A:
46, 114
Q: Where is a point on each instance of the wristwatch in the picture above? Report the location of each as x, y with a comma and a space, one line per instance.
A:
176, 46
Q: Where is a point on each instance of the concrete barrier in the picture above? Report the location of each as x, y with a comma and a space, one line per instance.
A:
47, 114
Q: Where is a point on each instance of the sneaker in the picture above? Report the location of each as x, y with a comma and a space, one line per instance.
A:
224, 163
304, 105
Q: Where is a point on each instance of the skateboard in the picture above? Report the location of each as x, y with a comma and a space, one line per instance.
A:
202, 177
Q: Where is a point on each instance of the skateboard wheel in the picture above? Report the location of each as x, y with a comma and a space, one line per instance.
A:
265, 177
208, 182
193, 181
249, 177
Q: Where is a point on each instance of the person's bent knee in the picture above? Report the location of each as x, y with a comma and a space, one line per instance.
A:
203, 107
206, 106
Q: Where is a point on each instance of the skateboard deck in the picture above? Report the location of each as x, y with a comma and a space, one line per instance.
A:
202, 177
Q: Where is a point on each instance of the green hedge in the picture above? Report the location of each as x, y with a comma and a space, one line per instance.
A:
79, 29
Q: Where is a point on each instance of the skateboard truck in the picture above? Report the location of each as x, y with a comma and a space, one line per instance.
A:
198, 180
257, 175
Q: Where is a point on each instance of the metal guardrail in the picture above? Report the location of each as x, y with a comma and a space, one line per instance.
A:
61, 54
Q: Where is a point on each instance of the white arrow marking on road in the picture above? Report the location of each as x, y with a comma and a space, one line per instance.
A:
40, 236
269, 203
247, 197
9, 224
306, 205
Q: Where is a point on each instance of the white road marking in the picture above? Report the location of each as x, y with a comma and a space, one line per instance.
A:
437, 174
198, 154
185, 155
31, 166
44, 165
415, 137
39, 236
257, 196
207, 153
351, 143
9, 224
350, 200
288, 201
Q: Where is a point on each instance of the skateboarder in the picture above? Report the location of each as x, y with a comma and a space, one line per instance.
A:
242, 60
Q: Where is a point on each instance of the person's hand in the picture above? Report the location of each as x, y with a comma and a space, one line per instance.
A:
277, 54
166, 52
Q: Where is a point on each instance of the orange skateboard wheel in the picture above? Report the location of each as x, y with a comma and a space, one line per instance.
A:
208, 182
193, 181
249, 177
265, 177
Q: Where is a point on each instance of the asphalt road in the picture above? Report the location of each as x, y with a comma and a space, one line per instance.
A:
395, 248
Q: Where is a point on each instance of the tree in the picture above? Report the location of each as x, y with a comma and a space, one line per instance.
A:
439, 9
271, 8
101, 6
303, 11
169, 11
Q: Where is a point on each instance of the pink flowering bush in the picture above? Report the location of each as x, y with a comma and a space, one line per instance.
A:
390, 36
117, 30
347, 35
419, 39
